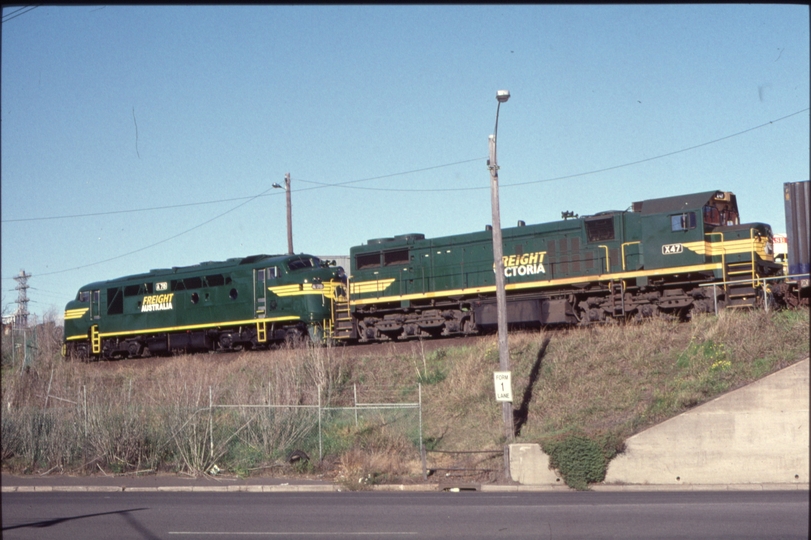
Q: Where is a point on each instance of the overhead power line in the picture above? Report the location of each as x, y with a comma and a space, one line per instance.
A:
320, 185
347, 184
218, 201
558, 178
8, 16
156, 243
110, 212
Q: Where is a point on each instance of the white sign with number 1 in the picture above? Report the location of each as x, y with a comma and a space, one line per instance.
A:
504, 386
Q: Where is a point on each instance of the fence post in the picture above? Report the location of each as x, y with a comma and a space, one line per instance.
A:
210, 424
84, 443
422, 447
765, 298
355, 390
715, 299
320, 449
84, 391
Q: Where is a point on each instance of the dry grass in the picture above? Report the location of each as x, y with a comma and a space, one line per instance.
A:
603, 383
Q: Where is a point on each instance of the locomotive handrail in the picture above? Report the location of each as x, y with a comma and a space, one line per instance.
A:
723, 254
607, 262
623, 251
752, 253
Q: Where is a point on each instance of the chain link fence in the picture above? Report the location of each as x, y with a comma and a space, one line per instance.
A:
204, 433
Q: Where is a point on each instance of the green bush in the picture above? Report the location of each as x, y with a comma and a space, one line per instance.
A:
579, 459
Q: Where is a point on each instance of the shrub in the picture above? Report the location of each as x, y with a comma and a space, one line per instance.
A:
579, 459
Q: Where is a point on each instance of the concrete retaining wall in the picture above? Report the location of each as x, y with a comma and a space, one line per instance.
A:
757, 434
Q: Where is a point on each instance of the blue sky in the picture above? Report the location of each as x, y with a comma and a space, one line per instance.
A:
112, 113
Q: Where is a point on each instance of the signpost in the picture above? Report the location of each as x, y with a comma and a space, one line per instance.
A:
504, 386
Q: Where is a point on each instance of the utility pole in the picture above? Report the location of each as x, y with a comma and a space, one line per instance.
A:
21, 317
501, 300
289, 213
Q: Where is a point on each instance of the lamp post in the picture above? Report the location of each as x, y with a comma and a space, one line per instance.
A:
289, 213
501, 301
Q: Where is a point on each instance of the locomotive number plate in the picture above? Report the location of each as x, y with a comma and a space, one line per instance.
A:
672, 249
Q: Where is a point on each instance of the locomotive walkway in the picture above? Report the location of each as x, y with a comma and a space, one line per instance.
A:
754, 438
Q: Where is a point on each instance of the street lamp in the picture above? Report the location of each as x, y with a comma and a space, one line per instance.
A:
501, 301
289, 213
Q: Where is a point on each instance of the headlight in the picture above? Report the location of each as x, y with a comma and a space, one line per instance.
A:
318, 286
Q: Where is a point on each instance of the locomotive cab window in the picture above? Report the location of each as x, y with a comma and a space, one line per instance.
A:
303, 262
600, 229
712, 216
683, 222
83, 296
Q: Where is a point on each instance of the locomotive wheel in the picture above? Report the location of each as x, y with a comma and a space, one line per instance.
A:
134, 349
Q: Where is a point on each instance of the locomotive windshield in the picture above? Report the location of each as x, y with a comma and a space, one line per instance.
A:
717, 217
299, 263
721, 210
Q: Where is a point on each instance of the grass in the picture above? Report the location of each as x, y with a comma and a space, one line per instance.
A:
594, 388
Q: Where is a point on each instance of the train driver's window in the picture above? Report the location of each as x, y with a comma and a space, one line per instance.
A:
683, 222
711, 216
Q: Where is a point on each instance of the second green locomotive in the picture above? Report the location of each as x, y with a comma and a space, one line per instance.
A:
662, 257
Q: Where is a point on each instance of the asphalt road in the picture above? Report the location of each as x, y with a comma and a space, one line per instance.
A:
583, 515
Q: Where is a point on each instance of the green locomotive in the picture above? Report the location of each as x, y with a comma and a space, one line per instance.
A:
661, 257
249, 302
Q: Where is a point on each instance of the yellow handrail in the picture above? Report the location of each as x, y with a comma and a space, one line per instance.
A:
723, 254
623, 251
755, 279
